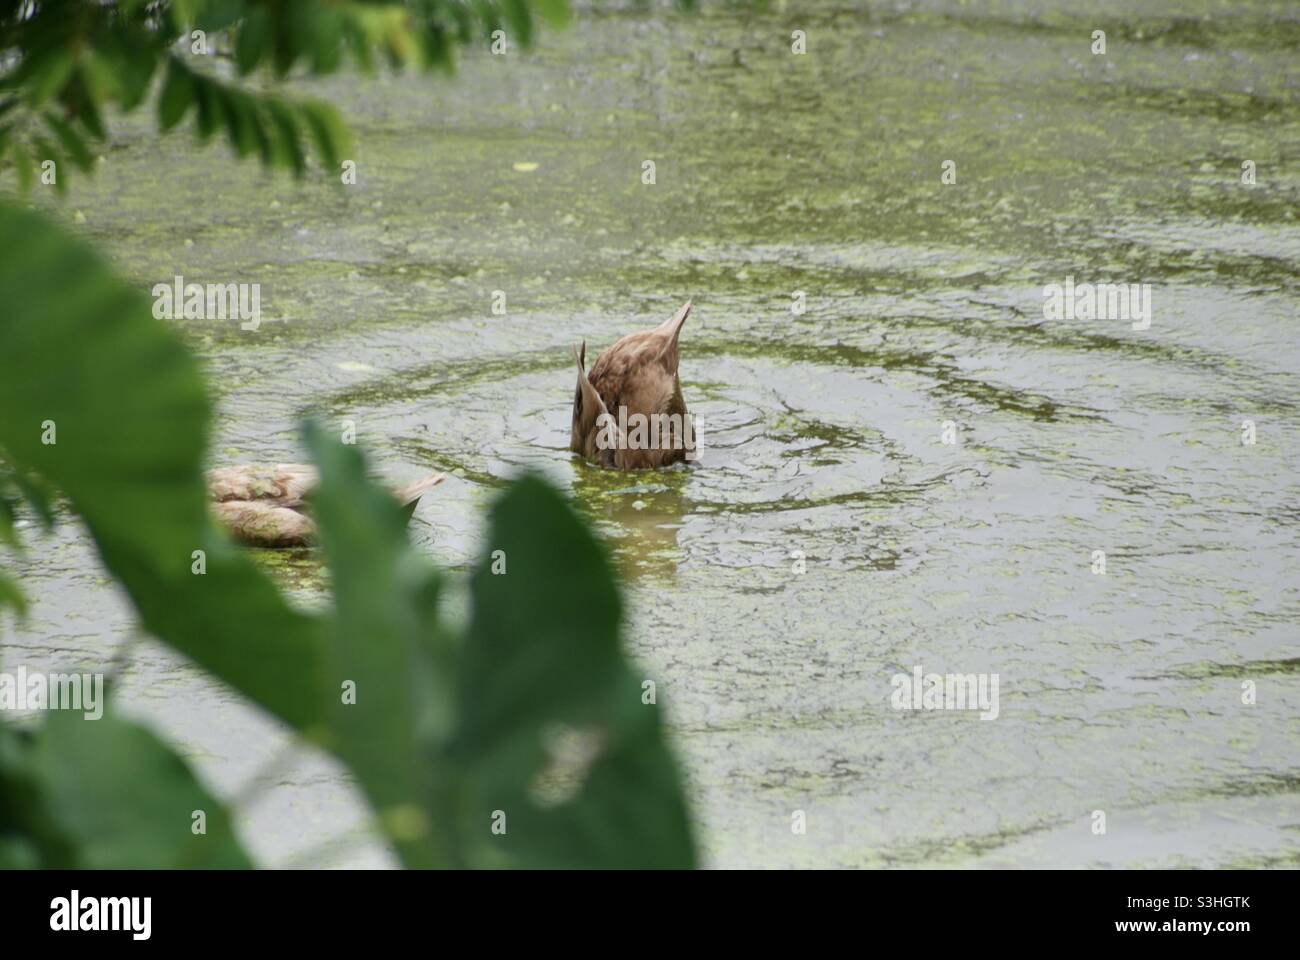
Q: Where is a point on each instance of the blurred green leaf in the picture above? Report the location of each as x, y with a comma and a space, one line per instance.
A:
252, 39
182, 13
489, 15
555, 12
328, 131
520, 19
289, 136
12, 596
287, 38
241, 122
209, 100
464, 21
385, 643
542, 659
8, 515
177, 95
325, 34
84, 107
30, 838
73, 145
37, 495
99, 76
443, 733
23, 164
215, 15
358, 41
116, 798
48, 75
111, 53
80, 348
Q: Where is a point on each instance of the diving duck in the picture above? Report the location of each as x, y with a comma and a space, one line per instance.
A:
263, 505
628, 413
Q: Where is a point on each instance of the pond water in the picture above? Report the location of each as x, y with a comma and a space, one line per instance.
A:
829, 538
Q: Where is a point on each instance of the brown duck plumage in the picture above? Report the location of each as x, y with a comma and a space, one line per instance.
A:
639, 373
264, 504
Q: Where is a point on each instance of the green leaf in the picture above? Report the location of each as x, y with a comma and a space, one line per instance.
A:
29, 836
12, 596
182, 13
37, 495
215, 15
79, 347
73, 145
437, 49
328, 131
23, 165
385, 642
48, 76
210, 99
289, 37
542, 655
99, 75
119, 798
358, 41
326, 38
288, 136
489, 15
131, 67
520, 19
241, 122
555, 12
539, 611
81, 104
252, 39
177, 95
8, 515
464, 22
443, 733
266, 145
90, 118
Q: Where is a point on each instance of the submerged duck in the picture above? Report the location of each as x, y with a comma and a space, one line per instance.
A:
263, 504
628, 413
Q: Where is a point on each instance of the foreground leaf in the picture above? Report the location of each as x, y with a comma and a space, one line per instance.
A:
382, 645
553, 726
451, 737
107, 794
83, 351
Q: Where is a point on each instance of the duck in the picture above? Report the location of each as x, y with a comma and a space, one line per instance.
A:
635, 377
264, 505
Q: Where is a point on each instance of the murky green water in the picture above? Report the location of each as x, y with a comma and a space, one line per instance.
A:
819, 173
